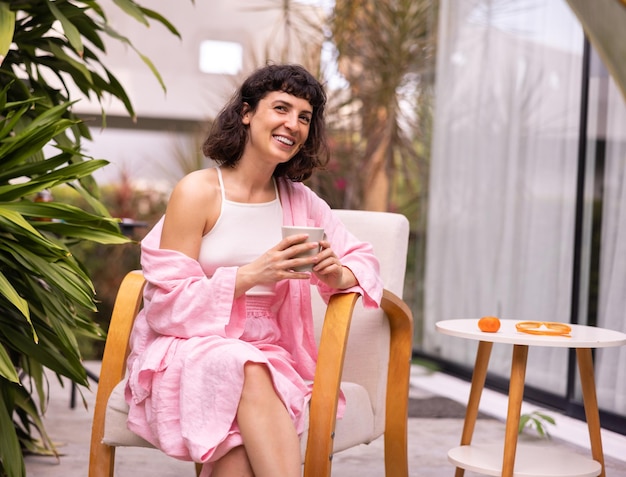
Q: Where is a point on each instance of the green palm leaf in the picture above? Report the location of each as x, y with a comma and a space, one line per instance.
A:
7, 369
7, 28
71, 32
7, 290
132, 9
10, 451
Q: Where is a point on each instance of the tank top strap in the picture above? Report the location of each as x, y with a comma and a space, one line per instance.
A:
221, 182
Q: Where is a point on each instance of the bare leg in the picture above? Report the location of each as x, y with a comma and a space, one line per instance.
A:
233, 464
268, 433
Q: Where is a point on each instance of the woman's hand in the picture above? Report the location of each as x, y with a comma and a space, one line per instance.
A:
328, 269
277, 264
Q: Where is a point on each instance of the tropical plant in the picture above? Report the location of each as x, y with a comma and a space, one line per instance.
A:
538, 421
50, 56
386, 54
297, 35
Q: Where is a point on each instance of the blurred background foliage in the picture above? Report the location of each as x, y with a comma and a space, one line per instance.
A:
107, 264
50, 53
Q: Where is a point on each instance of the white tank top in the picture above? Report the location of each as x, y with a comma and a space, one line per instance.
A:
242, 233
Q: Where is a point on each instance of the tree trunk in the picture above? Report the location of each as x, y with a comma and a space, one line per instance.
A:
376, 178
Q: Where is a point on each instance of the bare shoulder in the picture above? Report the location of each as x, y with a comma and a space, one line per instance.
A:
192, 210
198, 185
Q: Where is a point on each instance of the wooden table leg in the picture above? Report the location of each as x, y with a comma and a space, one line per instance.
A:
590, 400
478, 383
516, 394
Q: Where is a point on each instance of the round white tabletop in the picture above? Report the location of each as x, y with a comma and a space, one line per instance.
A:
581, 336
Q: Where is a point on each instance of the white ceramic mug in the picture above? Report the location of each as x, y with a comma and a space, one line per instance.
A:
315, 235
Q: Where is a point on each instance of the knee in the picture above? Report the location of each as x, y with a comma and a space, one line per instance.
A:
257, 381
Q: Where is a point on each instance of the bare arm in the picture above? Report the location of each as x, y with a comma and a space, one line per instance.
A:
192, 211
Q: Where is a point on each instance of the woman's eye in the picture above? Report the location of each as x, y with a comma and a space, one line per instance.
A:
281, 108
305, 119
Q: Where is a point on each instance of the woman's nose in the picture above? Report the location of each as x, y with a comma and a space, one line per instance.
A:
291, 121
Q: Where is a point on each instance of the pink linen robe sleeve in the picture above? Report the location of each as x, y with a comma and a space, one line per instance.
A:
181, 301
304, 207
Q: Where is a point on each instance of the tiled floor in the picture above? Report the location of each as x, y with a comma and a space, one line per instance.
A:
429, 440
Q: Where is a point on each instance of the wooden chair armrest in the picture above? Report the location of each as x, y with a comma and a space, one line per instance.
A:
326, 384
126, 306
398, 381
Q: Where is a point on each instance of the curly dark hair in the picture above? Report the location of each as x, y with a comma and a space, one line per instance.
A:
228, 135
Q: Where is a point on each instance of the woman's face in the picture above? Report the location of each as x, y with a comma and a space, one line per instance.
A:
278, 127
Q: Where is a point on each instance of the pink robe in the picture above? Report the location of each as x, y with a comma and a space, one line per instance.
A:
185, 370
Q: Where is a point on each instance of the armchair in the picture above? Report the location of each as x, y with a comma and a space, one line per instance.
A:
375, 345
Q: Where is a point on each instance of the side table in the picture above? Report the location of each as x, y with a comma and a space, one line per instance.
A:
535, 461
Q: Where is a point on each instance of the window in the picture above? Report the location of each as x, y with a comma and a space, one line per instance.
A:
220, 57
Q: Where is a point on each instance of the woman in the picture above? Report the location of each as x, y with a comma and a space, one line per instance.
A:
223, 352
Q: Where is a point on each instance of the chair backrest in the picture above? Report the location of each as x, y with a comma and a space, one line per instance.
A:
367, 354
389, 235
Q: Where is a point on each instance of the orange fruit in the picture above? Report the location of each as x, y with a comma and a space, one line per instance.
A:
489, 324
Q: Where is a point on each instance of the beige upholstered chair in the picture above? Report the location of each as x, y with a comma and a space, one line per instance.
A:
375, 376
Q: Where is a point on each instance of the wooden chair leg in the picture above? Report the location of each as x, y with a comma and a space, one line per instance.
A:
398, 381
101, 460
127, 303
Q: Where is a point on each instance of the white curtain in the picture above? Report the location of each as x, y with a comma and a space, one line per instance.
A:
611, 362
503, 174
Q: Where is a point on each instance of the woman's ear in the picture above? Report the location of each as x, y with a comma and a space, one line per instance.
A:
245, 114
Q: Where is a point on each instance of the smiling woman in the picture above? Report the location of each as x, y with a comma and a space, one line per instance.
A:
226, 316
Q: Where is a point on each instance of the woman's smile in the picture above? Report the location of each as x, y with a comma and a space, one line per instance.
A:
284, 140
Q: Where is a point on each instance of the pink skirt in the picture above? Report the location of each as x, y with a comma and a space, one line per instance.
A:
192, 409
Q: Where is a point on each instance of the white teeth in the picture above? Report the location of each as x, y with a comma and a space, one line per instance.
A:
284, 140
